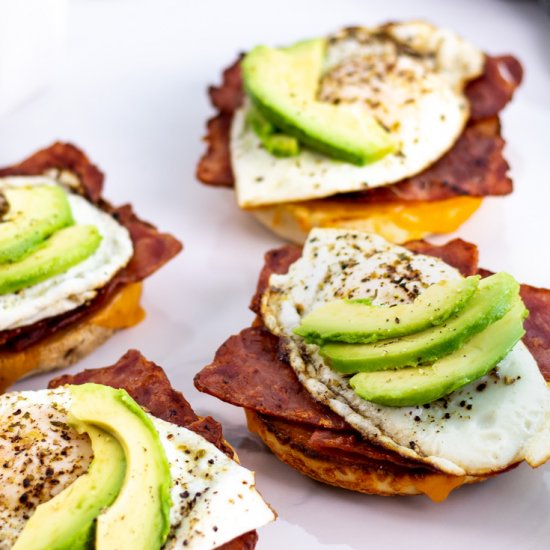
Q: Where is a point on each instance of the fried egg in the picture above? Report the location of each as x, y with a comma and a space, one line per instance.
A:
409, 76
81, 282
214, 499
486, 426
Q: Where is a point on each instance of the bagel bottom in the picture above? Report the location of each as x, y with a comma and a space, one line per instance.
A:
360, 476
71, 344
397, 221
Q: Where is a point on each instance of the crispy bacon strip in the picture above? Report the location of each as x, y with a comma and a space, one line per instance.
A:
352, 444
248, 372
275, 261
244, 542
228, 97
148, 384
490, 93
458, 253
61, 156
215, 166
474, 166
339, 447
151, 248
537, 325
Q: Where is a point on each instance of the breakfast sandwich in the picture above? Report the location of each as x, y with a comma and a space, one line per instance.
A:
391, 129
391, 370
71, 264
115, 458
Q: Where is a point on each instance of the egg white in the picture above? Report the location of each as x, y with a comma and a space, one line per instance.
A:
418, 97
221, 501
36, 460
214, 499
484, 427
81, 282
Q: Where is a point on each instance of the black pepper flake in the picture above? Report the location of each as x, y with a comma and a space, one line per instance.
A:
481, 387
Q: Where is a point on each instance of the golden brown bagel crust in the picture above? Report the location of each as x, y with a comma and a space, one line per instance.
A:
69, 345
58, 351
359, 476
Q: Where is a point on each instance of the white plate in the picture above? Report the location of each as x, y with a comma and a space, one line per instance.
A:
133, 96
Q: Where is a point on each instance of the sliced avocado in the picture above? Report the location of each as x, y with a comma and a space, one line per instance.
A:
139, 518
67, 247
419, 385
492, 300
67, 521
275, 142
307, 58
33, 214
283, 85
355, 321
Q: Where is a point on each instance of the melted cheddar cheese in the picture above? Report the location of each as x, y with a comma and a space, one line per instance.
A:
437, 487
122, 311
398, 221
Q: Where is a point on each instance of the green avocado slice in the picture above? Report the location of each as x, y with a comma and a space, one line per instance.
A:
492, 300
275, 142
66, 522
66, 248
33, 214
139, 518
358, 322
283, 85
419, 385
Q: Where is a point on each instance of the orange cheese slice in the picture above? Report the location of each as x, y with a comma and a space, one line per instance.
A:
398, 221
121, 311
438, 487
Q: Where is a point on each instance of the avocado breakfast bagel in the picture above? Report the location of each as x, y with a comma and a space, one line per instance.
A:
391, 129
115, 458
391, 370
71, 264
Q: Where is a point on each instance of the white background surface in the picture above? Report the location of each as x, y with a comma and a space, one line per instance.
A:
132, 94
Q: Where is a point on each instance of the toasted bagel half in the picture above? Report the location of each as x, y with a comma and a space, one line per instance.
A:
374, 477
